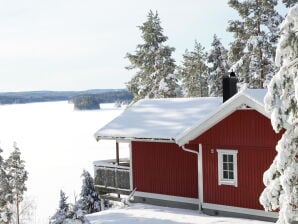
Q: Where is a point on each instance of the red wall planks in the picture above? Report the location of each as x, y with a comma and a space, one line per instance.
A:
251, 134
243, 127
164, 168
251, 165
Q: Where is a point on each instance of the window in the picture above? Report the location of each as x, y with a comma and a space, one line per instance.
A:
227, 167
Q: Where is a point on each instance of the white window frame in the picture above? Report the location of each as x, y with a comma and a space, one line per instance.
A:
221, 179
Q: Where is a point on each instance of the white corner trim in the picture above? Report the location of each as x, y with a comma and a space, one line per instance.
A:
165, 197
221, 180
247, 211
200, 174
131, 168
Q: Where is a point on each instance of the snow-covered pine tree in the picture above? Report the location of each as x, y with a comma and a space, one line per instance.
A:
5, 194
281, 179
289, 3
256, 34
219, 66
89, 201
194, 72
17, 177
153, 63
63, 212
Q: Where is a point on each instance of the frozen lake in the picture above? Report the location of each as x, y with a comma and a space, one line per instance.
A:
57, 143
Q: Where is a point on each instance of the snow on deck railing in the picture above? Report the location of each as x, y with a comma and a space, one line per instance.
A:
112, 163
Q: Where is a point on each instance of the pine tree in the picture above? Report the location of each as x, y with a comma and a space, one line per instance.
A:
17, 176
252, 51
194, 71
153, 63
89, 201
63, 212
5, 194
281, 179
289, 3
218, 58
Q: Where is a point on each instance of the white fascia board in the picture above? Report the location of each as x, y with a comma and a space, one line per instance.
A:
119, 139
165, 197
224, 110
132, 139
239, 210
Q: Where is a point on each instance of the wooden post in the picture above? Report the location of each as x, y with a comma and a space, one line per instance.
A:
117, 157
117, 153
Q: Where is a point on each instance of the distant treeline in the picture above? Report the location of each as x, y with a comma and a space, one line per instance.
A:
46, 96
93, 101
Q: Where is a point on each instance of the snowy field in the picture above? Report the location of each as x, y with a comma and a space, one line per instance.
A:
57, 143
149, 214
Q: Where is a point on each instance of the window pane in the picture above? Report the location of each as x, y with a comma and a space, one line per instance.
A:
230, 158
225, 158
231, 175
225, 166
226, 175
231, 166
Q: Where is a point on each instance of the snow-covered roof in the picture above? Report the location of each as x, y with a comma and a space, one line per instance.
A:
162, 119
178, 119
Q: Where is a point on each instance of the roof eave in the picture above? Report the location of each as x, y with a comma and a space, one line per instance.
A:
129, 139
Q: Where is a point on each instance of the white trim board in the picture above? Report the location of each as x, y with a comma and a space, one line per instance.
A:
200, 174
165, 197
246, 211
133, 139
131, 168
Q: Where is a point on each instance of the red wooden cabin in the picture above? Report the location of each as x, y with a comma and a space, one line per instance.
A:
197, 153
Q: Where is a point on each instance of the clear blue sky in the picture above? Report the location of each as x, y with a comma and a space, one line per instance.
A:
77, 45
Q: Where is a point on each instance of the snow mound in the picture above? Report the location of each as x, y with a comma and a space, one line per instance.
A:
149, 214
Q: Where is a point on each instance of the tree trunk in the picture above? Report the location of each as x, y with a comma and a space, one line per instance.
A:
260, 51
18, 212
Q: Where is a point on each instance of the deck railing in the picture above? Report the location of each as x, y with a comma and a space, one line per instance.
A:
112, 176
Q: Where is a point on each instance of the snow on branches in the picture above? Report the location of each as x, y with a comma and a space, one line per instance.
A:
281, 179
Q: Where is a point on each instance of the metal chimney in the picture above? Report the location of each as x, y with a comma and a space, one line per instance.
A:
229, 86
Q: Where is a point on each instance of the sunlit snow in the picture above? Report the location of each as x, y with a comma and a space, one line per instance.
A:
149, 214
160, 118
57, 143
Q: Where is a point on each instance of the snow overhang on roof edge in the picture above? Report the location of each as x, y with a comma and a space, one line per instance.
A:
119, 139
223, 111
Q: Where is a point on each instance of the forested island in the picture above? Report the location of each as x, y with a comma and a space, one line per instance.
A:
82, 100
93, 101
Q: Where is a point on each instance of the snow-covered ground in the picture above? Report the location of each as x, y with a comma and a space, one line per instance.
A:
149, 214
57, 143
